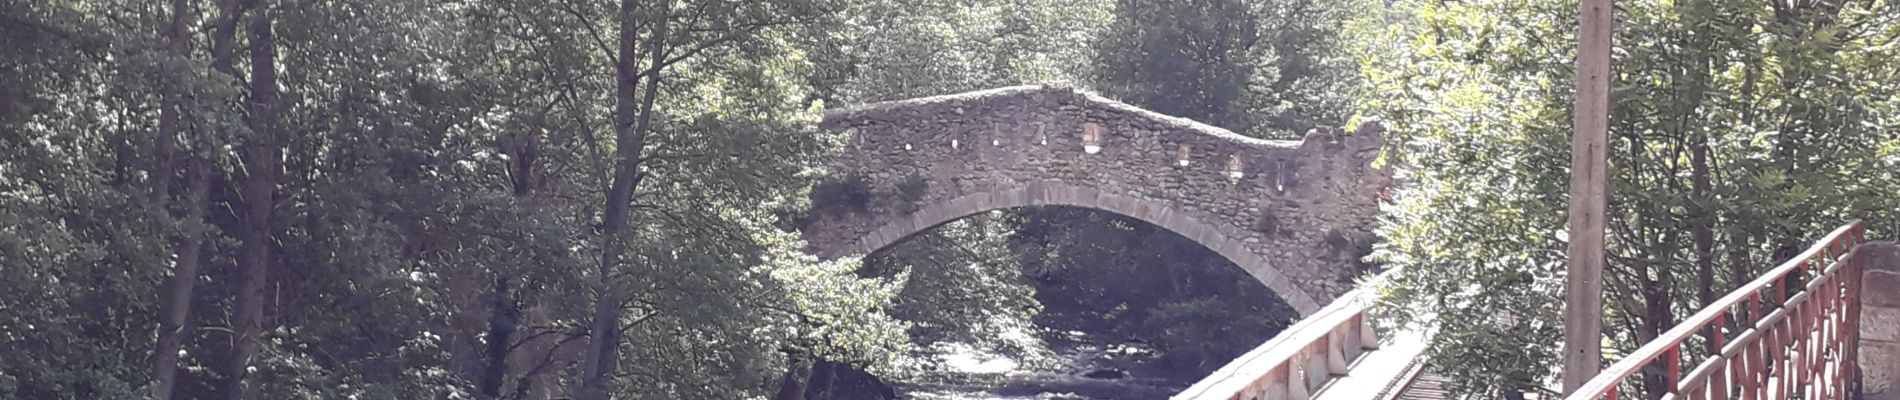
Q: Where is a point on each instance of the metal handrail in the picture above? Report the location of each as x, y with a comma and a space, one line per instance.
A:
1298, 361
1785, 350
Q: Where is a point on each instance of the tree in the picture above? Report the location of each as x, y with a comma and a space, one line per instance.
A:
176, 293
1715, 160
388, 171
1263, 69
78, 181
261, 156
1124, 280
891, 49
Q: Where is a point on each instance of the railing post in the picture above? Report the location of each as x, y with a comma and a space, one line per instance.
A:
1798, 367
1718, 379
1715, 332
1754, 309
1368, 333
1824, 341
1856, 268
1296, 378
1751, 372
1674, 360
1781, 289
1336, 353
1279, 389
1352, 333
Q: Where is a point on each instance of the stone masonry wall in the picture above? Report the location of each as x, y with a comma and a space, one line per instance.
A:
1292, 213
1879, 356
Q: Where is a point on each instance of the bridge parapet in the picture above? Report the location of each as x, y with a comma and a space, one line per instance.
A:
1064, 125
1336, 353
1295, 214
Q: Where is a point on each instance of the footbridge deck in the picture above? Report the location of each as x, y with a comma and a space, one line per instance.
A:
1824, 325
1339, 353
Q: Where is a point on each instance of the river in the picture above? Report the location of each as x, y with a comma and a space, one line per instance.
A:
1079, 371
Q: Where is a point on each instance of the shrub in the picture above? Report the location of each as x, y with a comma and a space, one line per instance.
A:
845, 194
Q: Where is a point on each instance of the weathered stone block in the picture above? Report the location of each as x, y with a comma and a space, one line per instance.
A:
1880, 323
1119, 204
1086, 196
1036, 193
1880, 368
965, 205
1223, 245
1007, 199
1880, 289
1880, 256
922, 219
1202, 233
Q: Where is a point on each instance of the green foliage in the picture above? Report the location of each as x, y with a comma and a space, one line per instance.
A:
963, 285
1264, 69
899, 49
844, 194
443, 174
437, 231
842, 317
909, 193
1126, 280
1481, 92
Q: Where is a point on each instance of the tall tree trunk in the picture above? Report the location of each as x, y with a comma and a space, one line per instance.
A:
631, 123
818, 387
169, 109
502, 317
1656, 318
1738, 268
223, 60
792, 387
224, 37
1738, 236
1702, 203
261, 160
1703, 233
175, 297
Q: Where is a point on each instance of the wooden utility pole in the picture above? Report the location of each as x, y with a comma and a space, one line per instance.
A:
1583, 295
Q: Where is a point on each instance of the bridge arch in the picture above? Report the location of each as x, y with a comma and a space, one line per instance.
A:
1050, 193
1294, 214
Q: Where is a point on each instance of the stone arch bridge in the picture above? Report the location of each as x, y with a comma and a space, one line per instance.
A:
1295, 214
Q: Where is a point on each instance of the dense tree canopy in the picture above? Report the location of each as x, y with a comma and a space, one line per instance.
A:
510, 199
405, 199
1272, 69
1740, 131
487, 199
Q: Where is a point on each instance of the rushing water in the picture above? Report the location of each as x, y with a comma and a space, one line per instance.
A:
1082, 372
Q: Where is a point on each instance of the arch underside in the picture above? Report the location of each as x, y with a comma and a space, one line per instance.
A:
1051, 193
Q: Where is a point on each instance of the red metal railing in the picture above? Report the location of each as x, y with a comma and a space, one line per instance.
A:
1797, 345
